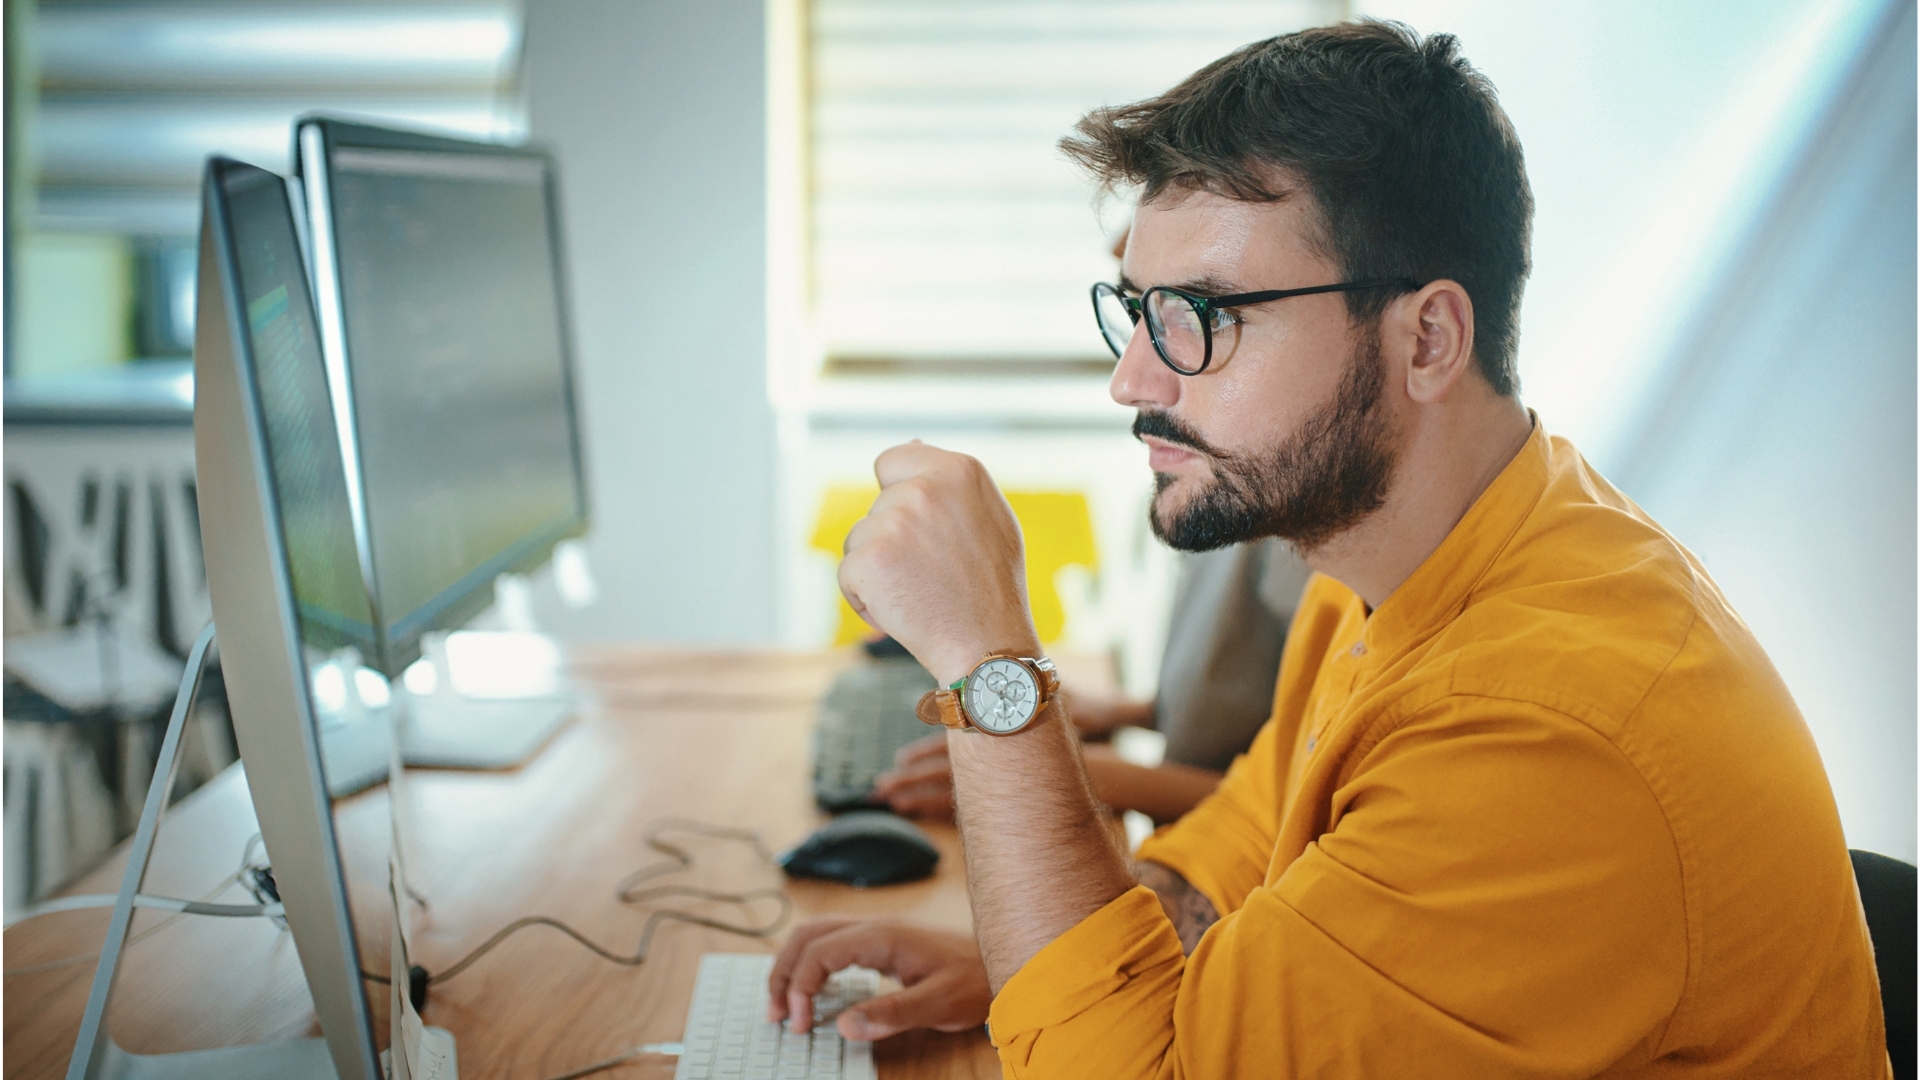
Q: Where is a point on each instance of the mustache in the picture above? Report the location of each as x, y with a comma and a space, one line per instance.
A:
1167, 427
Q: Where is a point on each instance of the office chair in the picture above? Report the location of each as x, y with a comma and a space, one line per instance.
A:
1887, 888
1058, 526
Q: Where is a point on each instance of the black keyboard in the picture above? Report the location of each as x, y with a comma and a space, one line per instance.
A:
865, 718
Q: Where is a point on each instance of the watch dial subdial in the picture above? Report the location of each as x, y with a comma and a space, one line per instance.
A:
1002, 695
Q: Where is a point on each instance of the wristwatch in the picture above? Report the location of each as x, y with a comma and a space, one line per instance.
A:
1001, 695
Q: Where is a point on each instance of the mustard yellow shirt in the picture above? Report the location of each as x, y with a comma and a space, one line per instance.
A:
1548, 812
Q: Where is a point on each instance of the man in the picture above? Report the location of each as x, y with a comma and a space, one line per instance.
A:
1532, 802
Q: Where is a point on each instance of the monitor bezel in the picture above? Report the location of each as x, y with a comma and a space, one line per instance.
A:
262, 655
316, 138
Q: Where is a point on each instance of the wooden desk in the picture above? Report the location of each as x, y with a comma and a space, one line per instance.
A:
721, 738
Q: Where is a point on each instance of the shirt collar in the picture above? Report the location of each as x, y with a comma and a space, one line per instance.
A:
1438, 591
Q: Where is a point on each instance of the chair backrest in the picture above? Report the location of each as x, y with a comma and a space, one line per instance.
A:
1887, 892
1057, 525
103, 521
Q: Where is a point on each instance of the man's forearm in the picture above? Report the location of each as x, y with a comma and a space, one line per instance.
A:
1040, 857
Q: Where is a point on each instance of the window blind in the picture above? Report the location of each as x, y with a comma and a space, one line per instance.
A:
945, 224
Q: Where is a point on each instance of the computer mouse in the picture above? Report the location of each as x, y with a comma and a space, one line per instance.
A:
865, 847
885, 648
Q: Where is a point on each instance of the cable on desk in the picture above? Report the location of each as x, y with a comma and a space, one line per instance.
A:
151, 902
679, 858
256, 876
81, 958
665, 1049
627, 892
647, 931
246, 864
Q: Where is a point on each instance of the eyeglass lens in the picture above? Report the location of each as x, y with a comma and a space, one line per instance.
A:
1176, 329
1173, 323
1116, 322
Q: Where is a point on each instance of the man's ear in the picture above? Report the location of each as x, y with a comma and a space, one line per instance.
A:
1435, 326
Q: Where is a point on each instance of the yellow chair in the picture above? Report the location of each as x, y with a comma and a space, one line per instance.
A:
1056, 525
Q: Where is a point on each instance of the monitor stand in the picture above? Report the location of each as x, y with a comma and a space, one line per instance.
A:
95, 1055
476, 734
443, 728
355, 722
438, 727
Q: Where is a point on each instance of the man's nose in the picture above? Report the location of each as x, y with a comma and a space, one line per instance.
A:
1140, 379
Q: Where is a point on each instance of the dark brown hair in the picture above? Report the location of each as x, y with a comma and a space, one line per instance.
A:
1414, 170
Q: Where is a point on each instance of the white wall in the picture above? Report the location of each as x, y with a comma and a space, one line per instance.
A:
657, 111
1781, 445
1722, 316
1654, 133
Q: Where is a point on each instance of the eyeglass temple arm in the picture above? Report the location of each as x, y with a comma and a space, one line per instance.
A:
1239, 299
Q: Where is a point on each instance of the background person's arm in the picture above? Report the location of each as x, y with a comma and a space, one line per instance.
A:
1163, 792
920, 784
1098, 716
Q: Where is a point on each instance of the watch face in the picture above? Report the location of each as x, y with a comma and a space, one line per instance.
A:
1002, 696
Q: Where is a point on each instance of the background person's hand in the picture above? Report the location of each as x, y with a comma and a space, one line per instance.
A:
1097, 715
944, 978
920, 784
937, 563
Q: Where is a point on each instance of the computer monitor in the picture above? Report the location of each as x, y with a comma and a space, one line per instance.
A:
282, 575
443, 312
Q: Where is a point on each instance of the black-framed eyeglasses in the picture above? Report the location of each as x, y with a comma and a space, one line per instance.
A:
1182, 324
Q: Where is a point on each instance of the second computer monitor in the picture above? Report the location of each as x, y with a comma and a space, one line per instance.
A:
443, 307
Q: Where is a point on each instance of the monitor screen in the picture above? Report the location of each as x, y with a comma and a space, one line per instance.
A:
444, 260
310, 484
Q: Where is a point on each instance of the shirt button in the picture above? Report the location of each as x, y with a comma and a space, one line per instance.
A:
1359, 648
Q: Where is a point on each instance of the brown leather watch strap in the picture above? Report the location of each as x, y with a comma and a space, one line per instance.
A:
943, 707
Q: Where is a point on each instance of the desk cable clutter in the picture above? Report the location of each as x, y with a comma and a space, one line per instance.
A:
628, 891
256, 877
419, 1041
426, 1053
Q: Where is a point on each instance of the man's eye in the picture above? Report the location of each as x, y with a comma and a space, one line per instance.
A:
1221, 318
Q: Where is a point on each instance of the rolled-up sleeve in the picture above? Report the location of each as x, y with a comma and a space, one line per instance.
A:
1499, 897
1116, 972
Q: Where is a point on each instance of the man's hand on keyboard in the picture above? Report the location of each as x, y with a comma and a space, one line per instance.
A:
920, 784
945, 981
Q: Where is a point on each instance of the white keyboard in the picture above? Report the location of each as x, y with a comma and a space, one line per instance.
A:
729, 1038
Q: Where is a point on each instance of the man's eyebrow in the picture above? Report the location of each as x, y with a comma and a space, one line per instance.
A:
1206, 285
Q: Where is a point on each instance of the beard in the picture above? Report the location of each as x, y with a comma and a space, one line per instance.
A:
1313, 485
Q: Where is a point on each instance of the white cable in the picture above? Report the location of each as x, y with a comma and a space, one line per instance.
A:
667, 1049
145, 900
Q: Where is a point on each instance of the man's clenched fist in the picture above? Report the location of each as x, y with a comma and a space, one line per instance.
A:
937, 563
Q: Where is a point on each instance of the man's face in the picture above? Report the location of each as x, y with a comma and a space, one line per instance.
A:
1286, 432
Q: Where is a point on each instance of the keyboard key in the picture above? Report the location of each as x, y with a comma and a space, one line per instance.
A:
728, 1037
